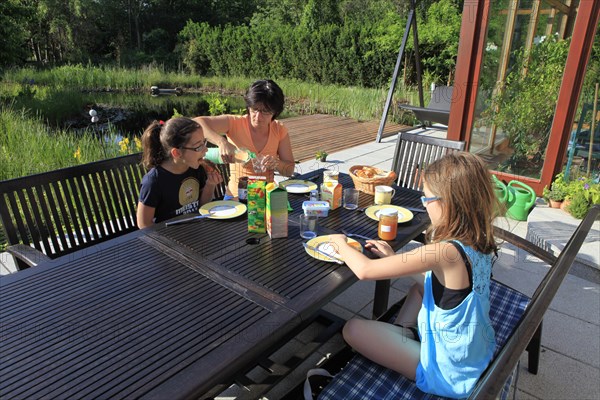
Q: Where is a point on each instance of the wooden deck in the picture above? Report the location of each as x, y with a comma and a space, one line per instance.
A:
331, 133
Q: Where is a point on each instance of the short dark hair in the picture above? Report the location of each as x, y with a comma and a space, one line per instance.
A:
266, 93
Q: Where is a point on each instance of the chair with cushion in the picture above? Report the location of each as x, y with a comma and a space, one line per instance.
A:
516, 320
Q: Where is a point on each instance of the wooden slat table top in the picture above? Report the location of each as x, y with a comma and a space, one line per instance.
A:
126, 321
166, 312
309, 133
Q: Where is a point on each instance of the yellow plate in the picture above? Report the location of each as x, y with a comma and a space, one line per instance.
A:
404, 215
324, 244
223, 209
298, 186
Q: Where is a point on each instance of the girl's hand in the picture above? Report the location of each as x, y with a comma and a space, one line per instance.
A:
213, 175
380, 248
338, 239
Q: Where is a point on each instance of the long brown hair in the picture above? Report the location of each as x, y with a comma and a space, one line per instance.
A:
160, 137
464, 184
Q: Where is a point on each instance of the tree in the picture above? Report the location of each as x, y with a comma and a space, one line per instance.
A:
13, 16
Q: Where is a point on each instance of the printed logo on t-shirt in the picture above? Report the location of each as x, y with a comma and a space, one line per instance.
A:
189, 191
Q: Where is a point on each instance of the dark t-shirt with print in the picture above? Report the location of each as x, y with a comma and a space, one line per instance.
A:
172, 194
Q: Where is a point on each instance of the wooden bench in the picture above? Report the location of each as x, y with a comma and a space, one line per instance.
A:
516, 319
52, 214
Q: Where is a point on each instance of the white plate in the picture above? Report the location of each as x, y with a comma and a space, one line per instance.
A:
323, 243
404, 215
223, 209
298, 186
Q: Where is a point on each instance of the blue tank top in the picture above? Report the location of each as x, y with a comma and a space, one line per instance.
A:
456, 344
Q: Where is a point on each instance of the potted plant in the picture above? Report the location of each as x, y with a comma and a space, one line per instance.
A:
321, 155
558, 191
555, 195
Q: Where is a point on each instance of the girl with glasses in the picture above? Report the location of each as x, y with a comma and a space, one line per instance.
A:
178, 180
258, 131
442, 337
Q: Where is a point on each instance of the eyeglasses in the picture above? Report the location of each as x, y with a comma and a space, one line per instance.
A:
196, 149
256, 111
426, 200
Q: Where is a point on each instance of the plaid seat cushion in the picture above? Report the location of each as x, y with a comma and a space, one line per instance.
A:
364, 379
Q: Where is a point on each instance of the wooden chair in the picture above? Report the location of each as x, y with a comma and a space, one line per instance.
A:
438, 109
516, 319
414, 152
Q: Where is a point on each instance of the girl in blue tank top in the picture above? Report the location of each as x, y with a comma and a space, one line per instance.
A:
442, 337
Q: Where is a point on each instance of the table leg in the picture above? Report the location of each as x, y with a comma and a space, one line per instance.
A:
382, 294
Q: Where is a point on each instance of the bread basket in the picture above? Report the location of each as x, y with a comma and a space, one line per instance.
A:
367, 184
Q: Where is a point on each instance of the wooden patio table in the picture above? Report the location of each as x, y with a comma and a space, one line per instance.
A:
169, 312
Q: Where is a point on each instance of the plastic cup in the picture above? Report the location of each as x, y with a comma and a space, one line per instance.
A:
258, 163
351, 198
308, 226
330, 175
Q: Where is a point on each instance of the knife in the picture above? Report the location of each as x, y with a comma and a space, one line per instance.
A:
332, 258
181, 221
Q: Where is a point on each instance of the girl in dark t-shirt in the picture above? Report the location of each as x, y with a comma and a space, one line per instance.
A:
179, 180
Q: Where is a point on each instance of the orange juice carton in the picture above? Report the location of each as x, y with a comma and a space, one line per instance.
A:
316, 208
331, 192
257, 203
277, 211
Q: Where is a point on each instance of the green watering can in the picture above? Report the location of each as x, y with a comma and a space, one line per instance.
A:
500, 190
519, 201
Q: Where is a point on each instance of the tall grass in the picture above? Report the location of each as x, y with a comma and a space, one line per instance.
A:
28, 146
302, 97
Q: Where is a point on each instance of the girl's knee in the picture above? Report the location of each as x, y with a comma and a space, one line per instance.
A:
351, 330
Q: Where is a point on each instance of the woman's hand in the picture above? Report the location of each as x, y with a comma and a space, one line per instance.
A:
270, 162
380, 248
227, 151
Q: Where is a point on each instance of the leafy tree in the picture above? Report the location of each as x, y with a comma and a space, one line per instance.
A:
320, 12
438, 38
13, 16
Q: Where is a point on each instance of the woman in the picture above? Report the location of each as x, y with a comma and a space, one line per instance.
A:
257, 131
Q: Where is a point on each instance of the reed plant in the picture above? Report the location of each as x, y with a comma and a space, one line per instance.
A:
302, 97
29, 146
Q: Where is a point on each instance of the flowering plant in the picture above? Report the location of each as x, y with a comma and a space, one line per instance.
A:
583, 193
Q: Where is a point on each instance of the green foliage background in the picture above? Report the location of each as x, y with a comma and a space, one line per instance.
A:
346, 42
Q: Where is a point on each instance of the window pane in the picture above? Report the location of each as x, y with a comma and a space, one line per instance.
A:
518, 87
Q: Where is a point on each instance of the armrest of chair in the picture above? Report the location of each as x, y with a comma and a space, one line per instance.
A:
27, 254
524, 244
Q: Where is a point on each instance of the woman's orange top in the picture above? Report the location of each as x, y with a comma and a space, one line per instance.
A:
239, 135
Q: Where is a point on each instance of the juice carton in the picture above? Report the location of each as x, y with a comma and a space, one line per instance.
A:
331, 192
277, 211
256, 205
